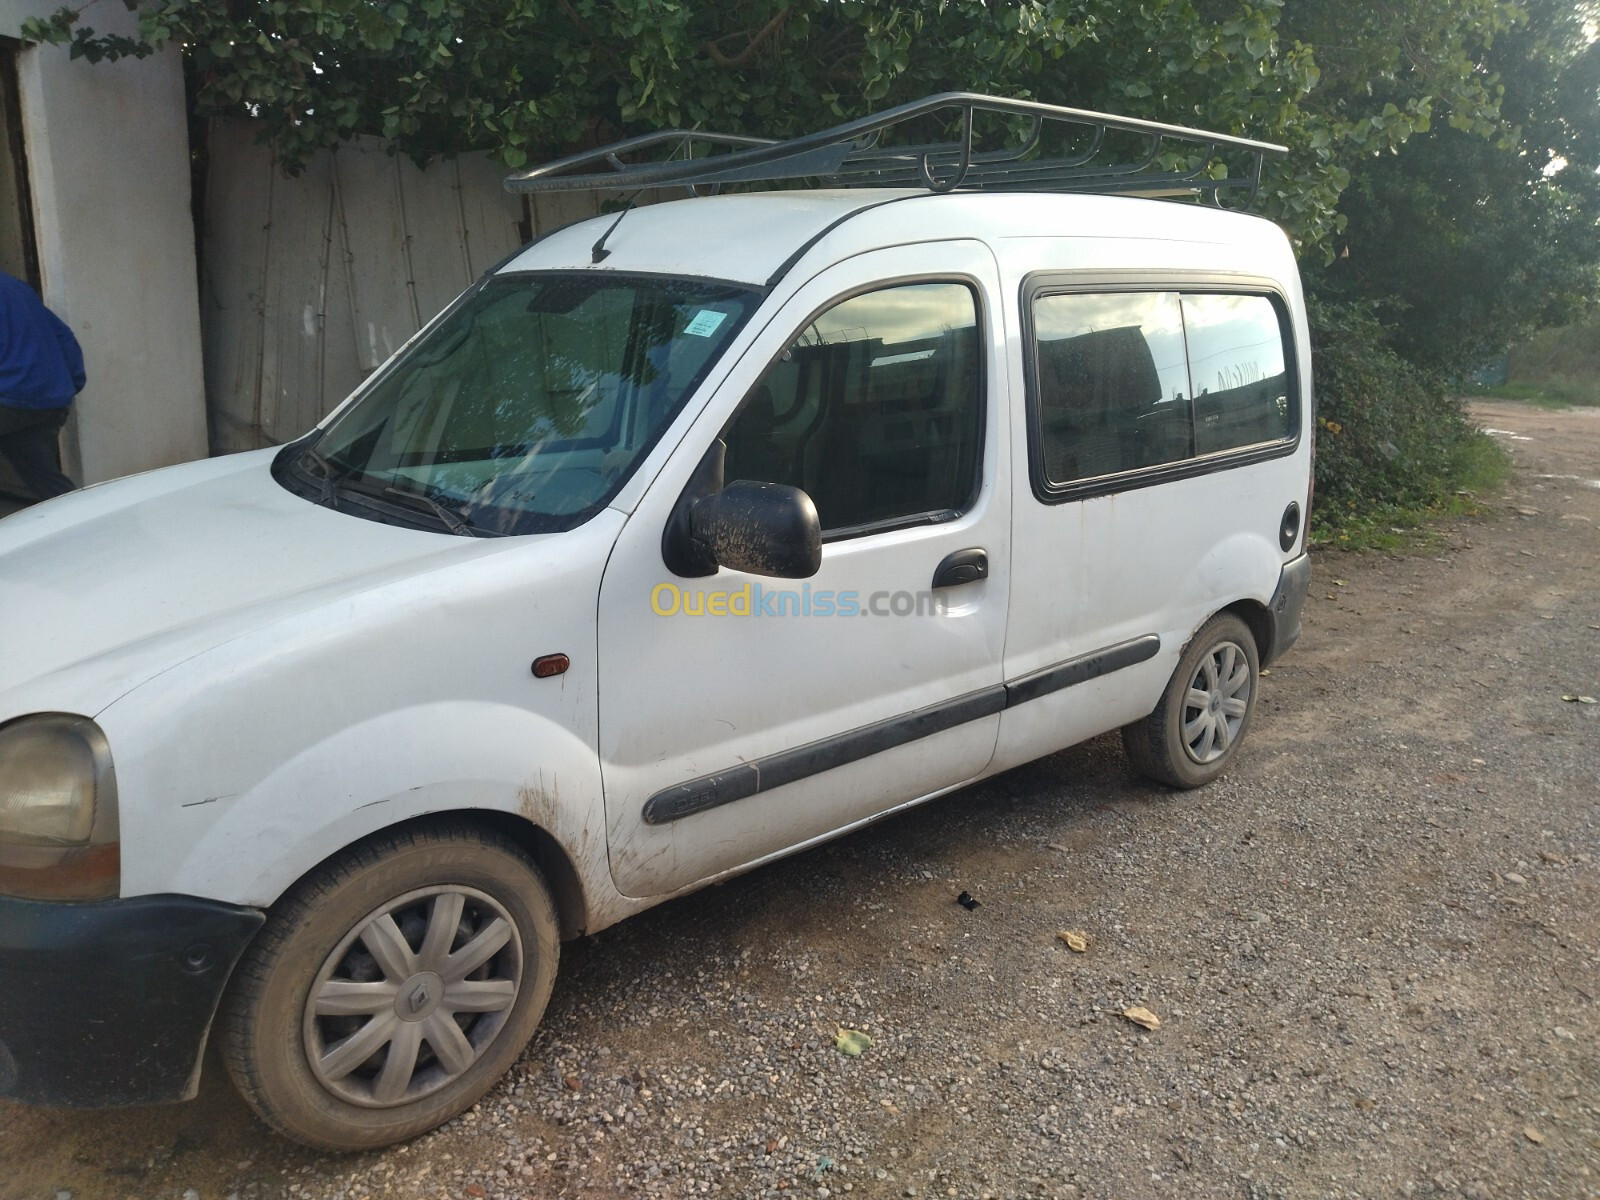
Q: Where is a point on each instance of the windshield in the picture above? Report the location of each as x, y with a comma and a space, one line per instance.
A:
526, 408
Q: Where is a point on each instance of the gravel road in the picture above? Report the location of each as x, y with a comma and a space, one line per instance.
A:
1374, 950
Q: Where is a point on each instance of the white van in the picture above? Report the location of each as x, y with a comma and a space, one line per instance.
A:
687, 538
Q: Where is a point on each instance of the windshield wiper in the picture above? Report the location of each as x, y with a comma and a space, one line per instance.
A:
452, 521
328, 485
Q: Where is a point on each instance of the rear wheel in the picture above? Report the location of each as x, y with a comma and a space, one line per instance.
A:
1194, 731
392, 987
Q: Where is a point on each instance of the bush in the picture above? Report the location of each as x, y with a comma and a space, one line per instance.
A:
1561, 365
1390, 439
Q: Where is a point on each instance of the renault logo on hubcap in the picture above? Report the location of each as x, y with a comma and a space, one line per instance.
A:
419, 996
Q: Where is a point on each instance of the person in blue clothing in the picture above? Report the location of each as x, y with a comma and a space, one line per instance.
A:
41, 370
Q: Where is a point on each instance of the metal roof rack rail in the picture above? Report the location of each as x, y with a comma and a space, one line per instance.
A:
1047, 148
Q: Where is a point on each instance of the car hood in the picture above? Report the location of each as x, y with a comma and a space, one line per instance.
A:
102, 589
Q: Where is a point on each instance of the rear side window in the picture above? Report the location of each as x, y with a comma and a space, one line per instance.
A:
1113, 383
1238, 376
875, 410
1125, 381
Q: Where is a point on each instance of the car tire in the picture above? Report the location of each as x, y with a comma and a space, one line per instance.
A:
1195, 730
391, 987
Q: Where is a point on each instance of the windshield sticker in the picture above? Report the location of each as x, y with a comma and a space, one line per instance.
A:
705, 322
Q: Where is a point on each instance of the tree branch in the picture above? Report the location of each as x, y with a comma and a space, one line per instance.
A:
583, 27
766, 32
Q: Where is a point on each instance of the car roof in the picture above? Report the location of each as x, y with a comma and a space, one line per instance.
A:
751, 238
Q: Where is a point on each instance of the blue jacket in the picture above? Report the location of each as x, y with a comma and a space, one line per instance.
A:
41, 365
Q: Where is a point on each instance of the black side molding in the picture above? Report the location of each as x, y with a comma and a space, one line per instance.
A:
1081, 670
789, 766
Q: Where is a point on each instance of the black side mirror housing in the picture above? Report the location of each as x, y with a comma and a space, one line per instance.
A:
683, 554
759, 528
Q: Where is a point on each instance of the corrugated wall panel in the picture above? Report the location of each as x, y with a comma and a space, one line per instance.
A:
234, 257
440, 267
291, 376
311, 281
555, 209
374, 230
491, 216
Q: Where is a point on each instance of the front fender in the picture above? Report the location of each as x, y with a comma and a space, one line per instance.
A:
249, 847
240, 769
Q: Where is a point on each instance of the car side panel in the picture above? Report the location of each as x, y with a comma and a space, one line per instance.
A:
240, 769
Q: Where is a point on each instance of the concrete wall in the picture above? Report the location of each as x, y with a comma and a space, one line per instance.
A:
108, 158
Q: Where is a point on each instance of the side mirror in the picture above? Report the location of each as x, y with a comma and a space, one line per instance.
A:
761, 528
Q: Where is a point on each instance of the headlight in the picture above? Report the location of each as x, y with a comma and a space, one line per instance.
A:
58, 810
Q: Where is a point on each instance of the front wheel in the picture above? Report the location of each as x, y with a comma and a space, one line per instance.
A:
392, 987
1194, 731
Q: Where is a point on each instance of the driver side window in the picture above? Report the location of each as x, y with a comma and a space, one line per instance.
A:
875, 410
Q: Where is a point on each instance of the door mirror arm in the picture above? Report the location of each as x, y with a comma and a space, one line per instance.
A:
683, 555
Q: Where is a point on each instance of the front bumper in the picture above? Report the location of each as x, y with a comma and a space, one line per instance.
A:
110, 1003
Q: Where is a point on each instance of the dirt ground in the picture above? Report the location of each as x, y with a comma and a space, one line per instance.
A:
1374, 947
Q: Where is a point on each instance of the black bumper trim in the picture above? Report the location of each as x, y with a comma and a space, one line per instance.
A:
110, 1003
1284, 607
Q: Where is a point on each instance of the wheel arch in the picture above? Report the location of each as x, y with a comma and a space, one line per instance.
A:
1258, 619
554, 863
541, 847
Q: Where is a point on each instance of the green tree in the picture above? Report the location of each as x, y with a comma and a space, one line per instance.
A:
1440, 182
529, 79
1472, 238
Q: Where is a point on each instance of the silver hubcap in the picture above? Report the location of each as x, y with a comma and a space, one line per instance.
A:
412, 996
1217, 700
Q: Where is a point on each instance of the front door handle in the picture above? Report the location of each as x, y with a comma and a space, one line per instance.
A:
961, 566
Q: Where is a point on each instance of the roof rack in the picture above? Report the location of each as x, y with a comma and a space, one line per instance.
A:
1047, 149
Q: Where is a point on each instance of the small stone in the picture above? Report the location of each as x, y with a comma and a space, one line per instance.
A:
1533, 1135
1564, 1034
1477, 1190
63, 1195
1513, 877
190, 1194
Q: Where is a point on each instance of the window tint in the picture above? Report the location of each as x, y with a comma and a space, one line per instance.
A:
1241, 386
1113, 385
874, 410
1139, 379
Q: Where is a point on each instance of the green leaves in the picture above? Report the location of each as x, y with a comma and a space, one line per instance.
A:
527, 79
851, 1042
